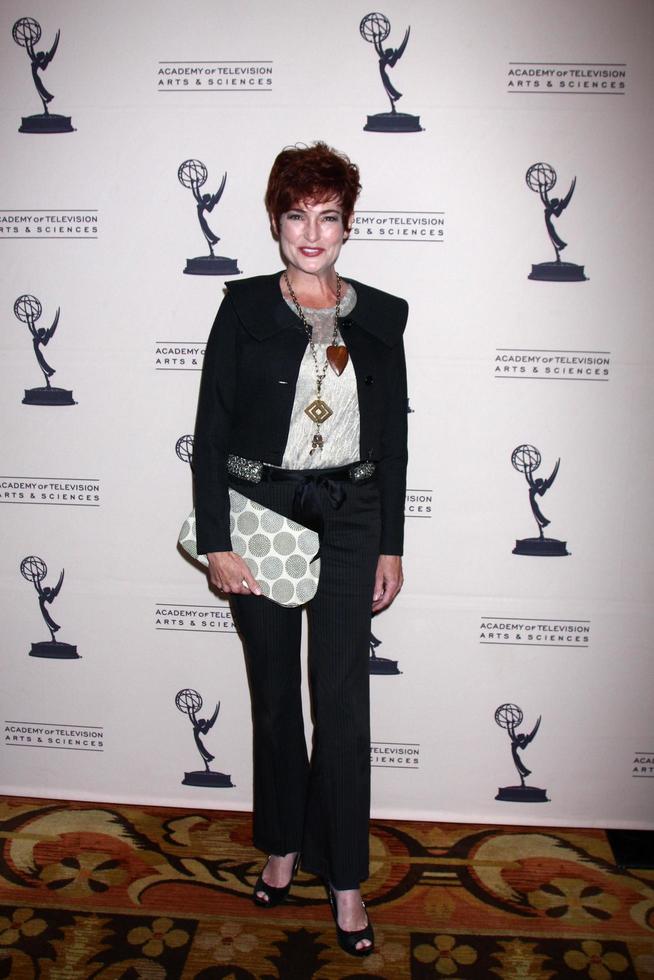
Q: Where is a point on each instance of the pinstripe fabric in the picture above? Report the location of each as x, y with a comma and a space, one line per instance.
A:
319, 806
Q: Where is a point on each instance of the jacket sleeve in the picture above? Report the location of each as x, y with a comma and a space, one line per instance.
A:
394, 454
212, 432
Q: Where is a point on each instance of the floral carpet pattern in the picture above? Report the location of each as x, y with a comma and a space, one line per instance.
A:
116, 892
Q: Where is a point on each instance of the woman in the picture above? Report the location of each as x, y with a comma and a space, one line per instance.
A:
304, 373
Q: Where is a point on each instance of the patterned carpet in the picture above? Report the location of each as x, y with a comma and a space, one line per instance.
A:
109, 892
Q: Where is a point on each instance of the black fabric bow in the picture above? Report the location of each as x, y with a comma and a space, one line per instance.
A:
306, 501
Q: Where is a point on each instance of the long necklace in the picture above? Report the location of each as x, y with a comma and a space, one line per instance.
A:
336, 357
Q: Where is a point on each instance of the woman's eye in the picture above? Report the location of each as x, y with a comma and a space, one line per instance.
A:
331, 217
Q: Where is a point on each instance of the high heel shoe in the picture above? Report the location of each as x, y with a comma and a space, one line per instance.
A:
348, 940
274, 896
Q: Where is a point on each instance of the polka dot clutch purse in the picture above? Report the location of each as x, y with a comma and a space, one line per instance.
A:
280, 553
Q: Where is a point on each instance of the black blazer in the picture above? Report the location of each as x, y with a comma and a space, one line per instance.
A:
250, 371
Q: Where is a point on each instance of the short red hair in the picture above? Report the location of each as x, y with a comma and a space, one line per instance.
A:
314, 174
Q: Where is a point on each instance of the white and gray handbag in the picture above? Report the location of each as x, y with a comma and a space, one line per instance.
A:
280, 553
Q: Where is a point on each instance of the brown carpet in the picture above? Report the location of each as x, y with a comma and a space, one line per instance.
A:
108, 892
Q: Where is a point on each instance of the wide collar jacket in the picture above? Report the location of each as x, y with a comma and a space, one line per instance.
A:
250, 371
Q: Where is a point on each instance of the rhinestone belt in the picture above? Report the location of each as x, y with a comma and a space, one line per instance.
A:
254, 471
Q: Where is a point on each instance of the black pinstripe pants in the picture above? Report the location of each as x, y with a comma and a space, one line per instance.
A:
319, 806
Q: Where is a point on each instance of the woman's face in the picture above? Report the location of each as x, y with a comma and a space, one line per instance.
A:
311, 236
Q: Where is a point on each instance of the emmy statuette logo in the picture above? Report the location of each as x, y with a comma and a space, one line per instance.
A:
541, 178
193, 174
26, 32
509, 716
184, 449
189, 702
380, 665
28, 309
34, 570
375, 29
526, 459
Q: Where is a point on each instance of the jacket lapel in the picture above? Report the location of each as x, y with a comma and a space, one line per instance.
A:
378, 313
263, 311
260, 306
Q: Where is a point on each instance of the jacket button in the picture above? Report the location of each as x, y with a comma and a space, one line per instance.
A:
345, 323
369, 379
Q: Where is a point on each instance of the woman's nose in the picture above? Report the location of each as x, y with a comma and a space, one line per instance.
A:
312, 230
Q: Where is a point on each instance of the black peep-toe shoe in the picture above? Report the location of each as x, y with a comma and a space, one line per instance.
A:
348, 940
274, 896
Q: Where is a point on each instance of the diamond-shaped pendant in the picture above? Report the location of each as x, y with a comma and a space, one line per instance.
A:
318, 411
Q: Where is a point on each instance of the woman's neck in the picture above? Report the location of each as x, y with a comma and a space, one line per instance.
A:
316, 292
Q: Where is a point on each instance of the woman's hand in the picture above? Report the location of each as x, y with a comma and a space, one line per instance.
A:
229, 574
388, 581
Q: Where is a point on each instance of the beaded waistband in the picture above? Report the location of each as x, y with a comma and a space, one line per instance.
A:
254, 471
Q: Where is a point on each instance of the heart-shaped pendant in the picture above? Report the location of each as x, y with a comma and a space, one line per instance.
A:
337, 357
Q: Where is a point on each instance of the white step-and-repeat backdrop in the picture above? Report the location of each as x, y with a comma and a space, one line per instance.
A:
507, 195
